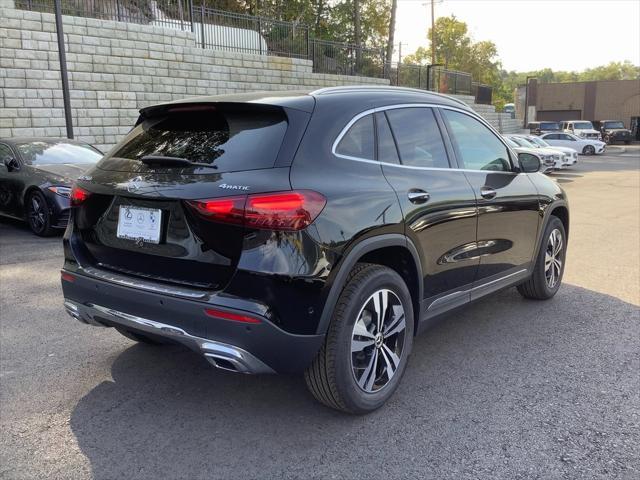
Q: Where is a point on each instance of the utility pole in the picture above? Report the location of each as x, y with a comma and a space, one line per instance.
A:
63, 70
433, 33
399, 63
392, 31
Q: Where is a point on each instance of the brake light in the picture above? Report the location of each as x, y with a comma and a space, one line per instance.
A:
230, 316
78, 195
227, 210
293, 210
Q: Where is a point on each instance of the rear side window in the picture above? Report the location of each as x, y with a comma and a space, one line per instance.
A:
359, 140
230, 138
477, 146
418, 137
387, 151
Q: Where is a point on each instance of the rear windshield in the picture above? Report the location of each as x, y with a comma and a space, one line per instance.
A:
48, 153
235, 138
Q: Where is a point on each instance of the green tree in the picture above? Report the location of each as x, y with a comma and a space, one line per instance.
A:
457, 51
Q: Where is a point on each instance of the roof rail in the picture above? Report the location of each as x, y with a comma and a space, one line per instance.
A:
352, 88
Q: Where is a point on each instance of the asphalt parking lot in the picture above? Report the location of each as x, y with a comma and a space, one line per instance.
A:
505, 389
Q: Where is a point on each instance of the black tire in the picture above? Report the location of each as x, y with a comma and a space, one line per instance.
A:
140, 338
537, 287
607, 139
589, 150
38, 214
331, 377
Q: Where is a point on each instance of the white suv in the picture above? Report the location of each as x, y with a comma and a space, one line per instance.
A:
581, 128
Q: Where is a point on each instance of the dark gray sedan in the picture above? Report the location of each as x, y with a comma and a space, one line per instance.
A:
36, 176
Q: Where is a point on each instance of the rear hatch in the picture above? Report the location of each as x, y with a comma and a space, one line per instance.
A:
140, 216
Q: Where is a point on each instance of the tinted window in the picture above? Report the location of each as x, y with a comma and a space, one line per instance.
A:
613, 125
359, 140
5, 153
387, 151
47, 153
549, 126
478, 147
231, 138
418, 136
551, 136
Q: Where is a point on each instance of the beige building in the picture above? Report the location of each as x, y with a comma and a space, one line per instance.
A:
601, 100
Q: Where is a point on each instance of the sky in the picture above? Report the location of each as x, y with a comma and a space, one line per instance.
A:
535, 34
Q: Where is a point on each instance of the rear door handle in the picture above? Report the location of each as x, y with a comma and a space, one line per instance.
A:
487, 192
417, 195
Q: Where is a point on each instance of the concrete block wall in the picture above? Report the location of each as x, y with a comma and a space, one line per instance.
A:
116, 68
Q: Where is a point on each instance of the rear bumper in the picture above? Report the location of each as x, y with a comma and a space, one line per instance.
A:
247, 348
221, 355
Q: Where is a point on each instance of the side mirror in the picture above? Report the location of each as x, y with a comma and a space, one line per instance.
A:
528, 163
11, 164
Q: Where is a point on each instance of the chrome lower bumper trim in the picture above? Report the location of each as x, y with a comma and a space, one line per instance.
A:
220, 355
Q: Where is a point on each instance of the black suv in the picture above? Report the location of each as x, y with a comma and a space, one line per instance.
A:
315, 232
613, 131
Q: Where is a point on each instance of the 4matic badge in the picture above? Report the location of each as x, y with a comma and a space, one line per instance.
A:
233, 187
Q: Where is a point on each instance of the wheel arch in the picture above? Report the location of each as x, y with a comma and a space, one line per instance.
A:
395, 251
562, 212
558, 209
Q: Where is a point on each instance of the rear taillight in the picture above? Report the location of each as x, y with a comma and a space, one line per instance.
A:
227, 210
293, 210
78, 195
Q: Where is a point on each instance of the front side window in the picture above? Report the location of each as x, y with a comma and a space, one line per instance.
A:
55, 152
418, 137
359, 140
5, 153
477, 146
565, 136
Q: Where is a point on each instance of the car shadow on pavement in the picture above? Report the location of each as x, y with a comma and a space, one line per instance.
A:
504, 379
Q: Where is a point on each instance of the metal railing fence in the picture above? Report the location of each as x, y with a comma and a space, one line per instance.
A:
218, 29
165, 13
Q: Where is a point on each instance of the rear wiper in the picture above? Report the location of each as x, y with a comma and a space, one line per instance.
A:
171, 162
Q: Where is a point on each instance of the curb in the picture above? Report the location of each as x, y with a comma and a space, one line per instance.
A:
614, 149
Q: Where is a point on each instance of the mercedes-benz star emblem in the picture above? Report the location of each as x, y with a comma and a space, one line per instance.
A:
133, 185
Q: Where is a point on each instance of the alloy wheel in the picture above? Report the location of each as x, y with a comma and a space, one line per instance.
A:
37, 213
378, 340
553, 258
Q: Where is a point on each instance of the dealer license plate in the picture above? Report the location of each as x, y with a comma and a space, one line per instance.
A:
139, 224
